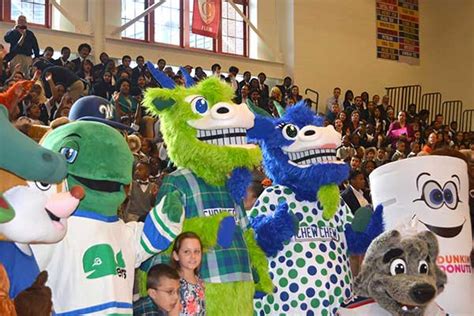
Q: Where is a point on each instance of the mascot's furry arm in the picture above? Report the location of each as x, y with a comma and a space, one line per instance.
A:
272, 231
15, 94
365, 227
238, 182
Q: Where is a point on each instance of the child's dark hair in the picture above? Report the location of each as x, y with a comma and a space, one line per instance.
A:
159, 271
177, 245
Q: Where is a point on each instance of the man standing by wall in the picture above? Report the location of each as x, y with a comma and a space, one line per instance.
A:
23, 43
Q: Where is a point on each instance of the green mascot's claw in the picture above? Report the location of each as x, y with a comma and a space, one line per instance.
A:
173, 207
329, 197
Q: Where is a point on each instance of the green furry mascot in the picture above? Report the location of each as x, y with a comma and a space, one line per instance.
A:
205, 133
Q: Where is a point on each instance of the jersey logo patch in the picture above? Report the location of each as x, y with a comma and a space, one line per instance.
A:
101, 261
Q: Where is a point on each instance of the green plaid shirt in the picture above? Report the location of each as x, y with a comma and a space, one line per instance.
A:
146, 307
219, 265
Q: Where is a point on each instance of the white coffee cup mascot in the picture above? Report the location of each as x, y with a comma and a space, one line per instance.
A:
432, 193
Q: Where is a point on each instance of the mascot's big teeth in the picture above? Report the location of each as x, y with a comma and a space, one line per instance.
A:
312, 156
223, 137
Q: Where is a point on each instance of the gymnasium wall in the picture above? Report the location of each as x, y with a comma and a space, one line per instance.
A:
335, 45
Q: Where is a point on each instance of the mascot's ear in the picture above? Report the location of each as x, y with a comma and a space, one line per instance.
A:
158, 100
431, 241
377, 249
262, 129
433, 250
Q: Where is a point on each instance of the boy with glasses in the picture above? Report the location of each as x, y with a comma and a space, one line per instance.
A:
163, 293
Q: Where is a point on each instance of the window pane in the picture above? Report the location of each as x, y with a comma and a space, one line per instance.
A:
167, 22
232, 29
130, 9
224, 27
239, 30
224, 9
34, 10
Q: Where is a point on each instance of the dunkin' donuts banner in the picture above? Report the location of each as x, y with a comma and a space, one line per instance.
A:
432, 193
206, 17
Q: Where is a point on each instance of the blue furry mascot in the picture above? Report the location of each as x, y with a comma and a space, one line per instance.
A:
309, 266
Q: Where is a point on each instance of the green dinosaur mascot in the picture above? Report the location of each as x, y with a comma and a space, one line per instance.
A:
21, 157
205, 133
92, 269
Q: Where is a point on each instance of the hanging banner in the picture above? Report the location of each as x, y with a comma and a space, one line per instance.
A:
432, 193
206, 17
398, 30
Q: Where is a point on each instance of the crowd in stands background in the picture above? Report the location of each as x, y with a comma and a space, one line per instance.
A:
372, 133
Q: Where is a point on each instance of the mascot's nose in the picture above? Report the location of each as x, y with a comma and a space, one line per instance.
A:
309, 133
222, 110
47, 157
422, 293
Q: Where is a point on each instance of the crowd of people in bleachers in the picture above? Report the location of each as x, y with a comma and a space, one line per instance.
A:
372, 133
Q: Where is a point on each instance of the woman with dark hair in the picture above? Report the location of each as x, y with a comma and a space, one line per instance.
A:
345, 122
400, 130
365, 98
348, 99
104, 88
48, 54
254, 84
295, 94
86, 73
378, 120
125, 104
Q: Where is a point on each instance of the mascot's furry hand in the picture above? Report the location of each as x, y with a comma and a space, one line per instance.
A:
272, 231
35, 300
238, 182
363, 229
225, 235
171, 212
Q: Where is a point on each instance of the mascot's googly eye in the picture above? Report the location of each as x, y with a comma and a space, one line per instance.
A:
290, 131
69, 153
198, 103
423, 267
433, 195
450, 193
398, 266
42, 186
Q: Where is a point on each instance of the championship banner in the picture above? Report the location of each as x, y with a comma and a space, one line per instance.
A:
398, 30
432, 193
207, 17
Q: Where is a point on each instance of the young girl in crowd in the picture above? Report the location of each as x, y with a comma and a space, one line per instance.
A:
186, 258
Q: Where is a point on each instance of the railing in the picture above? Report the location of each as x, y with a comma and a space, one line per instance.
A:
316, 102
432, 103
401, 97
451, 111
467, 121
